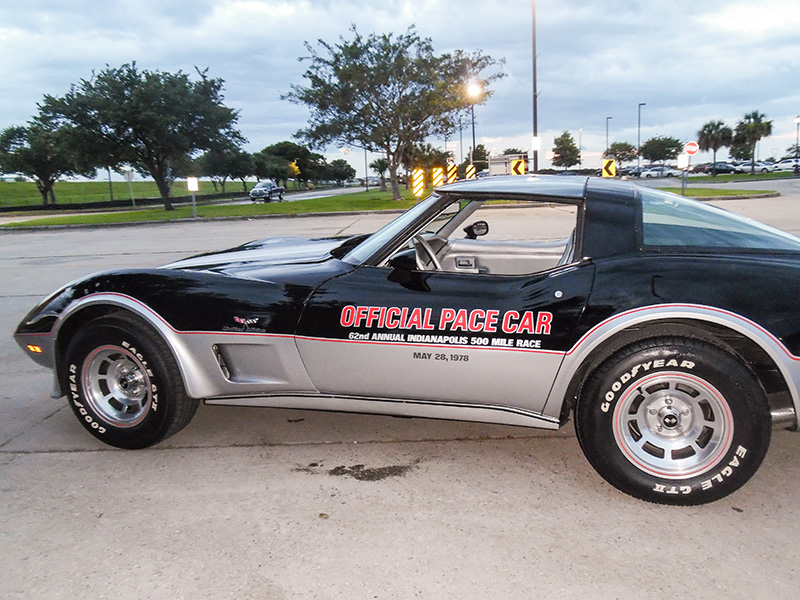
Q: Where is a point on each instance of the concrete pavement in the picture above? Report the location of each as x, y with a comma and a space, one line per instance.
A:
271, 504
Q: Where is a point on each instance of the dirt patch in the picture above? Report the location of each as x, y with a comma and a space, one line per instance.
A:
359, 472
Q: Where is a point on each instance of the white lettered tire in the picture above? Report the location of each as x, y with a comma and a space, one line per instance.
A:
123, 383
674, 421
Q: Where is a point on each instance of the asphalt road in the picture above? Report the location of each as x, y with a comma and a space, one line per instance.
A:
278, 504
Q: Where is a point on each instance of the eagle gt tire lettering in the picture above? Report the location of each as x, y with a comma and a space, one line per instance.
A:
123, 383
674, 421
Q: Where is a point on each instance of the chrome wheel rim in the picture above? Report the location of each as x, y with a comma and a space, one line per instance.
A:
673, 425
117, 386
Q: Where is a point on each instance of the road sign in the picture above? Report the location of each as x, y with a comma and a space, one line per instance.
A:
418, 182
609, 168
438, 176
469, 172
518, 166
452, 173
691, 148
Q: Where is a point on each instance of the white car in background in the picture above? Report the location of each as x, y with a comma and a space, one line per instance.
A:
787, 164
758, 167
661, 171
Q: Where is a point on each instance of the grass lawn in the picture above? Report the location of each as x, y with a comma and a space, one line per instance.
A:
372, 200
357, 201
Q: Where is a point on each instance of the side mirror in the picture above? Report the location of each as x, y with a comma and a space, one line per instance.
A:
478, 228
404, 261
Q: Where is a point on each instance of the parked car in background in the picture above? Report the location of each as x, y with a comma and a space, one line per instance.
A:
758, 167
787, 164
721, 168
660, 171
699, 168
266, 191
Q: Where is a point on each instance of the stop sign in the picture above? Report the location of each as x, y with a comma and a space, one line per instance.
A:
691, 148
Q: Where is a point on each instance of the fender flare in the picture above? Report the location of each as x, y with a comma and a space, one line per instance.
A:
787, 363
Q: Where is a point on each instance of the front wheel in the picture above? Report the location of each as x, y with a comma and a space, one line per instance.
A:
123, 383
674, 421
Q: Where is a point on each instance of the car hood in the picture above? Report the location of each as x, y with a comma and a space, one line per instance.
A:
260, 254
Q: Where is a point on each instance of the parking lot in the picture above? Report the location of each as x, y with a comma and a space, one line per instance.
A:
283, 504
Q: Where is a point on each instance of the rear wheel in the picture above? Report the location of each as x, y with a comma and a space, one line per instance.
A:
674, 421
123, 383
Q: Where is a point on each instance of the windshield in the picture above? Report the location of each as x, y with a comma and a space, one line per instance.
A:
383, 236
673, 221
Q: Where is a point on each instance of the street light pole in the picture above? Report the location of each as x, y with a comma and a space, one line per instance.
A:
580, 148
474, 90
535, 150
797, 147
639, 140
607, 120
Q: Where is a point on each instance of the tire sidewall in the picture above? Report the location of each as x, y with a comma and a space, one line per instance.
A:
151, 427
741, 394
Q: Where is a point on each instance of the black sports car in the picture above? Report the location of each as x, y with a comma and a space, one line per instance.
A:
668, 328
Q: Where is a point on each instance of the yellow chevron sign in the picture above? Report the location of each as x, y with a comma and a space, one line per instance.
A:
609, 168
469, 173
452, 173
418, 182
438, 176
518, 166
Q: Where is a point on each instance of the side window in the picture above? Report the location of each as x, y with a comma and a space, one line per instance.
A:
670, 221
500, 238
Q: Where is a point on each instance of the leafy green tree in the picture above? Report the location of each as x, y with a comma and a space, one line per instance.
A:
565, 151
341, 170
148, 119
509, 151
480, 158
307, 162
270, 166
380, 166
43, 151
661, 148
713, 136
221, 164
386, 92
749, 131
622, 152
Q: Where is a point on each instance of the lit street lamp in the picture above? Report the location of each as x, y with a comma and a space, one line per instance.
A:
474, 90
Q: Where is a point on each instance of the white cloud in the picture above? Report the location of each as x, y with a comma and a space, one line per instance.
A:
690, 62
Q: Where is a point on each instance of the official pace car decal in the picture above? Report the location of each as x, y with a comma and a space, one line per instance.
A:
448, 326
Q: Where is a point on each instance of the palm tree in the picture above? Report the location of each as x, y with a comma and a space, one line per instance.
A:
713, 136
750, 130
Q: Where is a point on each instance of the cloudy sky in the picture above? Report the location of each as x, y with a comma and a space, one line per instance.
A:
689, 61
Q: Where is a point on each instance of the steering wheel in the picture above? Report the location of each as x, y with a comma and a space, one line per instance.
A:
422, 243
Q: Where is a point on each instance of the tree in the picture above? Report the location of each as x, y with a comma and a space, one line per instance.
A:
713, 136
386, 92
41, 150
306, 163
148, 119
380, 166
565, 151
509, 151
480, 158
341, 170
622, 152
661, 148
749, 132
223, 163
